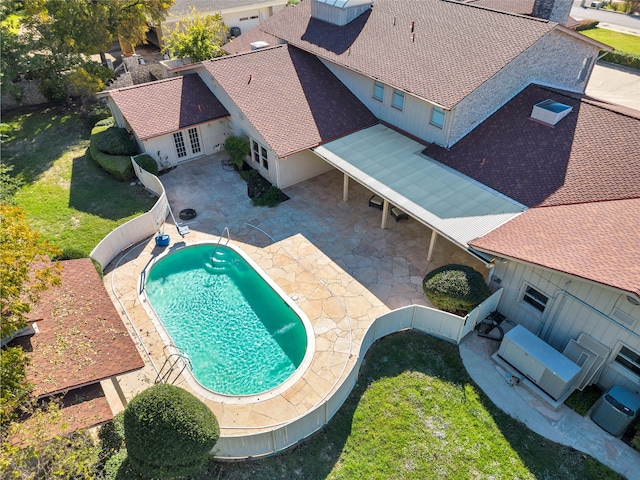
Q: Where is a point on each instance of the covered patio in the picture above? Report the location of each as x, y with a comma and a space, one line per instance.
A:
392, 166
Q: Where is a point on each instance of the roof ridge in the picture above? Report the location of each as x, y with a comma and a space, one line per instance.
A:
233, 55
511, 14
595, 102
589, 202
145, 84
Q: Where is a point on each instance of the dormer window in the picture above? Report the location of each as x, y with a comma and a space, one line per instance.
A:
378, 91
437, 117
584, 70
398, 100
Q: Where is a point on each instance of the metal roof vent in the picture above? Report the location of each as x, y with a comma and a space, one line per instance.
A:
550, 111
258, 45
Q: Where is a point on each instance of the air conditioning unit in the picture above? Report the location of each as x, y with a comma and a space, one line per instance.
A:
615, 410
542, 364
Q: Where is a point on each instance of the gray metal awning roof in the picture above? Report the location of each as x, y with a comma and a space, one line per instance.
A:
392, 166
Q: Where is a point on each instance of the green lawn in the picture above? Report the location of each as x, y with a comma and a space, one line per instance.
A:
67, 198
416, 414
623, 42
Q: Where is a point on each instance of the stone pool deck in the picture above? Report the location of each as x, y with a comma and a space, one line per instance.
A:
331, 256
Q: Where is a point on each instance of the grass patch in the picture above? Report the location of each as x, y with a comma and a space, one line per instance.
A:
67, 198
623, 42
415, 413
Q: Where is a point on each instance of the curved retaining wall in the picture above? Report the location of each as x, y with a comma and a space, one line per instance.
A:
138, 228
423, 319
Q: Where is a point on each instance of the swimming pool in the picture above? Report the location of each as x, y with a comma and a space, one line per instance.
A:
243, 335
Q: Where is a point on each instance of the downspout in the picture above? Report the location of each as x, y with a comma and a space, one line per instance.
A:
569, 295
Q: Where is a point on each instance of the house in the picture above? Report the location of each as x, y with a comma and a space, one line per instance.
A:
78, 341
471, 120
241, 15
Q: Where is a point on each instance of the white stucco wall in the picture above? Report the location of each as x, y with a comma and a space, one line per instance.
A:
574, 306
299, 167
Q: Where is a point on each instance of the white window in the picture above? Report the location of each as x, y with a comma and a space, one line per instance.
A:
194, 140
437, 117
259, 155
535, 298
398, 100
586, 64
181, 148
629, 359
378, 91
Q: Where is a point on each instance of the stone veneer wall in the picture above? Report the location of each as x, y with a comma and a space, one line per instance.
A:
31, 95
555, 61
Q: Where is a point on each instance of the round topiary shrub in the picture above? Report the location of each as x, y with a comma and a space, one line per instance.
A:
169, 432
115, 141
455, 288
147, 162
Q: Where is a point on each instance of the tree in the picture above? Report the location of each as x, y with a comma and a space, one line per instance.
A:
48, 39
169, 432
25, 268
197, 37
25, 272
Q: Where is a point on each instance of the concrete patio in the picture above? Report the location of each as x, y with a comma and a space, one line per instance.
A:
344, 271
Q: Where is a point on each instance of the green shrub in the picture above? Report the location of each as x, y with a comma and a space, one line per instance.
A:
117, 165
115, 141
238, 148
114, 465
106, 122
147, 162
111, 435
455, 288
587, 24
582, 401
98, 114
623, 58
270, 198
169, 432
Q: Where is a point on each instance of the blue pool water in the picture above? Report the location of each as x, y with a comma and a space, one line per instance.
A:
241, 336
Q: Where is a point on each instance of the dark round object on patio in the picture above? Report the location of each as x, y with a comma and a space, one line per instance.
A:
187, 214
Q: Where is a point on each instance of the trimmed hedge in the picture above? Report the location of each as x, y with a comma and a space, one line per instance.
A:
586, 24
169, 432
117, 165
455, 288
148, 163
115, 141
623, 58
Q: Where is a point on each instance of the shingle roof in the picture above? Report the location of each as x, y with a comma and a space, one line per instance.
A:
81, 337
149, 112
290, 97
242, 44
596, 241
522, 7
589, 156
455, 49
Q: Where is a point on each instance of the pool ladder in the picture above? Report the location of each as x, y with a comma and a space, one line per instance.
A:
228, 235
171, 365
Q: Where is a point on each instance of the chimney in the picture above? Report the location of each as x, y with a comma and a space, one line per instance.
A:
554, 10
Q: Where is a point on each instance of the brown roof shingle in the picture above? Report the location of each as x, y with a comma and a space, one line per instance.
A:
591, 155
165, 106
290, 97
81, 338
596, 241
455, 47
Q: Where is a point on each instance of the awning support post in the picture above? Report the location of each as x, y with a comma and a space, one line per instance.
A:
345, 188
385, 214
432, 244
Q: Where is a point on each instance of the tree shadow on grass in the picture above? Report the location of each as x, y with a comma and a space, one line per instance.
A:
96, 192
